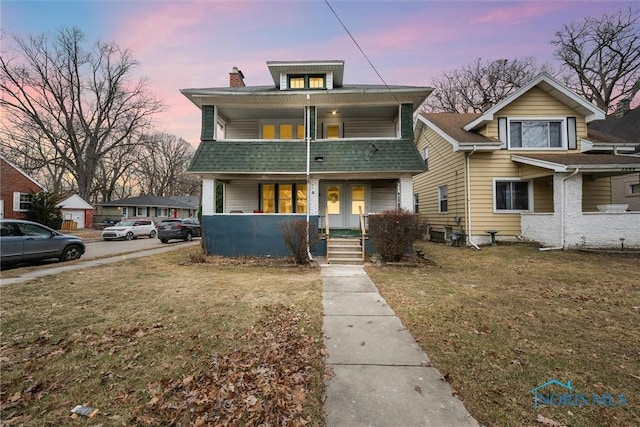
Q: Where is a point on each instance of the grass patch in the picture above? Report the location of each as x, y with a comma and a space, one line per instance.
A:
499, 322
121, 337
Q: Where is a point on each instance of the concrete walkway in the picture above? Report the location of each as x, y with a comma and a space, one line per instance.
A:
382, 377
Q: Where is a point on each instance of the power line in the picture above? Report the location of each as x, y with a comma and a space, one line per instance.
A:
361, 51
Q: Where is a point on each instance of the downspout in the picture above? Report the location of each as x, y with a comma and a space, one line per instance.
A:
562, 216
308, 138
468, 185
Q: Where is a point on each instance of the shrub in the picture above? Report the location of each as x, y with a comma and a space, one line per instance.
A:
294, 233
44, 209
393, 232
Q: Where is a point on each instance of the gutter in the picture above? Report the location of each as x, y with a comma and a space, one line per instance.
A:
468, 185
308, 138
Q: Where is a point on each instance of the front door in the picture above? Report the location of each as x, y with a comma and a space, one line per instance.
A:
343, 202
334, 205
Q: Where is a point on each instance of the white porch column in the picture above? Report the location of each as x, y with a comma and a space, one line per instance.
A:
406, 194
313, 195
208, 196
567, 201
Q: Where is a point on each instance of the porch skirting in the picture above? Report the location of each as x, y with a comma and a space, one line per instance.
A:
248, 234
584, 230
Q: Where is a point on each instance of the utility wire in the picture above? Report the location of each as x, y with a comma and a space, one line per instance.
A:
361, 51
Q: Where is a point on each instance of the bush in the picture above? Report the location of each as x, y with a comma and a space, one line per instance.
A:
393, 232
44, 209
294, 233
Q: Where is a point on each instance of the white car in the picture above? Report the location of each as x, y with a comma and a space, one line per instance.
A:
130, 229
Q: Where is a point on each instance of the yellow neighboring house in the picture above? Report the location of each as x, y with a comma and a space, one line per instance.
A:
524, 169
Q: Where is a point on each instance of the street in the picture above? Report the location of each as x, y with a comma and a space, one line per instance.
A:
97, 253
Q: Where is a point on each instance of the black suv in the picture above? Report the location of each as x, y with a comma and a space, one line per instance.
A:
180, 229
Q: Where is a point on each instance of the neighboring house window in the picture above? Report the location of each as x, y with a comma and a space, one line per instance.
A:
300, 132
443, 199
21, 201
125, 212
141, 211
163, 212
425, 157
307, 81
511, 195
536, 134
282, 198
416, 203
633, 190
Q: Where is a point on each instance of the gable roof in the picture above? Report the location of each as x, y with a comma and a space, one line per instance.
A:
148, 200
626, 127
450, 126
74, 202
290, 157
553, 88
23, 173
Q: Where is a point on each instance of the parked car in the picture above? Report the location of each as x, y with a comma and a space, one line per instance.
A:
129, 229
182, 229
24, 241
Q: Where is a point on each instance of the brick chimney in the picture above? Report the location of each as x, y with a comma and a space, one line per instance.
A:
236, 78
622, 107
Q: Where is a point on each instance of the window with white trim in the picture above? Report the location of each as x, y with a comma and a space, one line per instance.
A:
511, 195
541, 134
443, 199
633, 189
141, 211
21, 201
425, 157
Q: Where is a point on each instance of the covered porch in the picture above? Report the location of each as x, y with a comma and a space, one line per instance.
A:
582, 215
248, 221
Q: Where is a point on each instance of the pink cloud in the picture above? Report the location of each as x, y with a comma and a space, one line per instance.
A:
516, 13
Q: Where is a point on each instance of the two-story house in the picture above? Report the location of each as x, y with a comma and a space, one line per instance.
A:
307, 147
524, 169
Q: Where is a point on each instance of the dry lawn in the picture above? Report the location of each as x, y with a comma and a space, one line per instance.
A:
499, 322
158, 339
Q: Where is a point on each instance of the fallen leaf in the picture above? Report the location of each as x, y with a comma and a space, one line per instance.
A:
548, 421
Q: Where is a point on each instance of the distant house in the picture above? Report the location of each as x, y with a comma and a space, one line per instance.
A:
16, 189
76, 209
625, 125
191, 200
308, 147
525, 168
148, 206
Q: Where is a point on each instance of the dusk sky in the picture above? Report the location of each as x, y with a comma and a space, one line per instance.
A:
196, 43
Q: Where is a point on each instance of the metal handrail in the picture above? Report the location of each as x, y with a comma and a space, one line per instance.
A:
326, 229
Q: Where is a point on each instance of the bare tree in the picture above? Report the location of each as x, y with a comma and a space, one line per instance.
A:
603, 56
82, 103
481, 83
162, 164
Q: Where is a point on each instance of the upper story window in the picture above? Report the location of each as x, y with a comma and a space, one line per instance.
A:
537, 134
443, 199
307, 81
